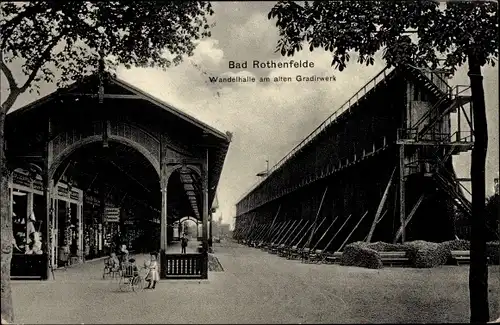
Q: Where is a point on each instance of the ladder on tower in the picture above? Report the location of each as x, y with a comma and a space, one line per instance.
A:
451, 188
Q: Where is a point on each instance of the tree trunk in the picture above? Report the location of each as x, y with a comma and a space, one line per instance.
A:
6, 227
478, 274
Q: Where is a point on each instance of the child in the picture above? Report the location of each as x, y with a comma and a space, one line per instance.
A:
153, 275
114, 263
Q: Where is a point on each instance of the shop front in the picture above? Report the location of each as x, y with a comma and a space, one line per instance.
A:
30, 248
33, 254
66, 226
93, 227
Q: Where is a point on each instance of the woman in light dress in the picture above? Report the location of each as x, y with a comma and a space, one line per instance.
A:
153, 275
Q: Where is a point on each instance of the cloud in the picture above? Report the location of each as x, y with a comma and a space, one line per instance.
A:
208, 53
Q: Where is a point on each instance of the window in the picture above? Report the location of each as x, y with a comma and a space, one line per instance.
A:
19, 219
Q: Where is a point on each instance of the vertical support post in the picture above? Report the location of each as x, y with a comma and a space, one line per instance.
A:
48, 211
402, 206
79, 246
52, 235
459, 121
211, 236
163, 222
82, 227
102, 197
205, 218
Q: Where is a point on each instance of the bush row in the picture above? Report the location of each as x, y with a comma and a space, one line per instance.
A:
421, 254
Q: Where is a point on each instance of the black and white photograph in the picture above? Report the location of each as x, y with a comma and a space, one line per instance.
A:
249, 162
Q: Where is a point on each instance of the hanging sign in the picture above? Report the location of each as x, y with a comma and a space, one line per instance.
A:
112, 214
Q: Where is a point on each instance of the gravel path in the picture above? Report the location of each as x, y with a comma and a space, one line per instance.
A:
256, 287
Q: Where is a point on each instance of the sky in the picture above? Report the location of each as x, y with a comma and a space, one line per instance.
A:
267, 119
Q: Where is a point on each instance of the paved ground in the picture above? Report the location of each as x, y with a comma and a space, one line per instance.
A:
257, 287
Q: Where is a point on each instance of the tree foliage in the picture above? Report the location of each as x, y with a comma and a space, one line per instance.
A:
70, 36
365, 27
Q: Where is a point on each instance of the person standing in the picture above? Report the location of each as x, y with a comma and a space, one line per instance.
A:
153, 275
184, 242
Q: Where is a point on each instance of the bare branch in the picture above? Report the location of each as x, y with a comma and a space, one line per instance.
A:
8, 74
41, 61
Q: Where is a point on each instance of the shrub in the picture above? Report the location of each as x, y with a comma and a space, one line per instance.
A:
386, 247
358, 254
424, 254
457, 245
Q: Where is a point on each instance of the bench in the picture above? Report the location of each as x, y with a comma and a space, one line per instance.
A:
329, 258
315, 256
304, 254
292, 253
461, 257
263, 246
394, 258
273, 249
283, 251
279, 249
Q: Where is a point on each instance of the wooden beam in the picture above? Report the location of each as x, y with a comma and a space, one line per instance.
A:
345, 241
285, 225
316, 218
62, 173
407, 221
285, 233
323, 236
380, 207
402, 206
272, 224
291, 234
336, 234
299, 232
311, 228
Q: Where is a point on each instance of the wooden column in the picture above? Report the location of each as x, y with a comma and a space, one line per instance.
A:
205, 218
211, 236
402, 206
51, 235
163, 223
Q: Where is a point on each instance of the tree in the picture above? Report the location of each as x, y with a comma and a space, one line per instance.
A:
71, 37
461, 32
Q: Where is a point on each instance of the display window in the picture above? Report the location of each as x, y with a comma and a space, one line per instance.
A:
19, 221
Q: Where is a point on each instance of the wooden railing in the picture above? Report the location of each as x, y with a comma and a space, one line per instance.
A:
184, 266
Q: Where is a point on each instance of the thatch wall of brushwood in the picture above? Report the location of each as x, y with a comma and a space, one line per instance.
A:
421, 254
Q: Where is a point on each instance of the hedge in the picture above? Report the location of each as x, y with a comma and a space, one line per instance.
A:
424, 254
358, 254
